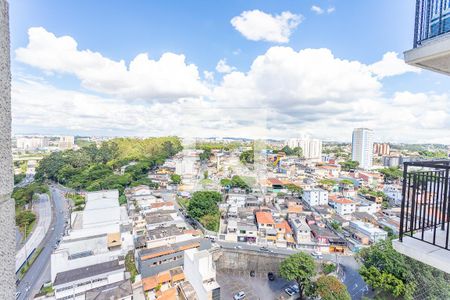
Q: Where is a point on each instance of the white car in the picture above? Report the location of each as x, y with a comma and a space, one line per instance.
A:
239, 296
238, 247
317, 254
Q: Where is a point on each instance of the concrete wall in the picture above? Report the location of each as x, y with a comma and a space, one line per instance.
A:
228, 260
7, 238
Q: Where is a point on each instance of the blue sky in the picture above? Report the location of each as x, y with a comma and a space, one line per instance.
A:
202, 31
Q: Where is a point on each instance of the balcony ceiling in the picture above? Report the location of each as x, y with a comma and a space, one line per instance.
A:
433, 54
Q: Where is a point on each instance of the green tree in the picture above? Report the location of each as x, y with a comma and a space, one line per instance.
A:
330, 288
175, 178
294, 189
389, 272
247, 157
327, 183
346, 183
204, 203
392, 173
226, 182
205, 155
301, 268
349, 165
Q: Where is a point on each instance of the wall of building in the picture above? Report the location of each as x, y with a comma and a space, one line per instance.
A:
7, 248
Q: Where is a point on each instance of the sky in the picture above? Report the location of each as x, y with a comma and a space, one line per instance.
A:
224, 68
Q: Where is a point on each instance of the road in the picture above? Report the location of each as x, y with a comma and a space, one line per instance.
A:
39, 273
352, 279
44, 212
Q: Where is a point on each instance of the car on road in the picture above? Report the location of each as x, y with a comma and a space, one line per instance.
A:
239, 295
295, 288
264, 249
271, 276
252, 273
289, 291
238, 247
17, 295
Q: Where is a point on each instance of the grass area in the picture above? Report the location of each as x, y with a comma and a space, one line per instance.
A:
183, 202
30, 262
130, 266
206, 181
25, 221
47, 289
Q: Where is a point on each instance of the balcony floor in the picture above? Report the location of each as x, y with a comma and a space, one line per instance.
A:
424, 252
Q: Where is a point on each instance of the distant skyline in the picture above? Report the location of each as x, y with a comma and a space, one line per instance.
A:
253, 69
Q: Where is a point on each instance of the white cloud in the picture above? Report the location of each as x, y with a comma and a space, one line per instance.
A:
317, 9
167, 78
391, 65
223, 67
283, 92
256, 25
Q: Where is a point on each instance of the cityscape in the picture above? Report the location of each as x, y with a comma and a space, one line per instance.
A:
317, 173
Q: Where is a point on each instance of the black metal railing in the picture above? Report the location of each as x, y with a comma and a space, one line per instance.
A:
425, 206
432, 19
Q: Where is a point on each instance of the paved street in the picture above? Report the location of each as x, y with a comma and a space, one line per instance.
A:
39, 273
44, 217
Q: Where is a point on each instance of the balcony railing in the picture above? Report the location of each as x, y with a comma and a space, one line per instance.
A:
425, 206
432, 19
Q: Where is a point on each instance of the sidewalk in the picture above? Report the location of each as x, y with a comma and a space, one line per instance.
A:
44, 219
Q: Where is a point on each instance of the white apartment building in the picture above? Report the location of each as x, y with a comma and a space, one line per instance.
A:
375, 234
31, 143
66, 142
312, 148
344, 206
200, 271
315, 197
362, 147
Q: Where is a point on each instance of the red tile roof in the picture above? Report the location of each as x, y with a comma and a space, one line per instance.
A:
263, 217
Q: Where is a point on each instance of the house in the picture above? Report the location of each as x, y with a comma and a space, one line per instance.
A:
344, 206
264, 220
301, 230
284, 234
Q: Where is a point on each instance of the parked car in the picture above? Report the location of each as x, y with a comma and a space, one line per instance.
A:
252, 273
289, 291
271, 276
295, 288
264, 249
239, 296
238, 247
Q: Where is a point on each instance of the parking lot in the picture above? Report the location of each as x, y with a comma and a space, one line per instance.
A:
255, 288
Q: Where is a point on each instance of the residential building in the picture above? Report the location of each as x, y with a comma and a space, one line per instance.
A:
362, 147
311, 148
381, 149
66, 142
120, 290
201, 273
315, 197
301, 230
159, 259
31, 143
374, 233
344, 206
391, 161
74, 284
431, 47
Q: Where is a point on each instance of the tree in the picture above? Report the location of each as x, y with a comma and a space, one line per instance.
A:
330, 288
203, 207
175, 178
294, 189
346, 183
226, 182
327, 183
205, 155
394, 274
247, 157
301, 268
349, 165
392, 173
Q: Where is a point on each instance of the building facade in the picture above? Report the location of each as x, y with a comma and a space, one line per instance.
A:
362, 147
